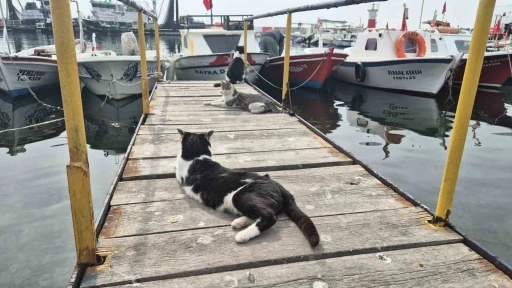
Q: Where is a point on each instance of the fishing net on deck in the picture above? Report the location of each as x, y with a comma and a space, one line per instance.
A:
129, 44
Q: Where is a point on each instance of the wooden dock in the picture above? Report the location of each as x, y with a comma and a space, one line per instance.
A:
153, 236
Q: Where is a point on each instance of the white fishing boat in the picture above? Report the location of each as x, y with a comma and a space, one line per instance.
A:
206, 53
119, 76
31, 69
396, 60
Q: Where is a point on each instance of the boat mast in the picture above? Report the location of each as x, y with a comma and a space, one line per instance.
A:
421, 14
79, 18
5, 36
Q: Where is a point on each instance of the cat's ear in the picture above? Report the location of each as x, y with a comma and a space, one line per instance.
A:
181, 132
209, 134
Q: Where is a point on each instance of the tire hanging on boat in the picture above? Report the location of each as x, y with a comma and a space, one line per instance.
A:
360, 72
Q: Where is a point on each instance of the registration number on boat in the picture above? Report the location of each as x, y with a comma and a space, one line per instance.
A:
404, 75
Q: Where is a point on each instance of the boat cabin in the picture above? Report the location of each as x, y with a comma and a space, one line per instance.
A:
215, 40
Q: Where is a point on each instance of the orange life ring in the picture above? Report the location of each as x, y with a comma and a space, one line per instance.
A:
420, 42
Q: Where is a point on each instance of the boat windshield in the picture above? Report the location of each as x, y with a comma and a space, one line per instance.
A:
462, 45
410, 46
222, 43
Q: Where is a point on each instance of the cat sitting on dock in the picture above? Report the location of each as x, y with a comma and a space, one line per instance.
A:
236, 68
256, 199
254, 103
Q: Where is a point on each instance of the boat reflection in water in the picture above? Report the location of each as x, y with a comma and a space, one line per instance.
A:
110, 124
25, 120
391, 117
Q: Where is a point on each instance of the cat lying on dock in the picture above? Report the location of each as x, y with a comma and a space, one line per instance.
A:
256, 199
254, 103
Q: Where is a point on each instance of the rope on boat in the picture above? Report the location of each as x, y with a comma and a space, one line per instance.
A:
24, 80
297, 87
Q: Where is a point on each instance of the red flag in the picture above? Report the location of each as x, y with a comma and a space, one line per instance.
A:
444, 8
404, 22
497, 27
208, 4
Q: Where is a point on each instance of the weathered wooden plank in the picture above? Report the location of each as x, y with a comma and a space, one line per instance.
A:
197, 118
256, 162
326, 178
169, 145
451, 265
188, 253
318, 192
221, 127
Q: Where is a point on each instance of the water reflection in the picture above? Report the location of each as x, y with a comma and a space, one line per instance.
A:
110, 124
25, 120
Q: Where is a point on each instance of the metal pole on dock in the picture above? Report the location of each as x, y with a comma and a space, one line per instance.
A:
287, 45
157, 43
464, 109
245, 42
143, 65
78, 168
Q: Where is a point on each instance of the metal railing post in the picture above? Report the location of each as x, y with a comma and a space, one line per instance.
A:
143, 65
464, 108
245, 42
287, 45
157, 43
78, 168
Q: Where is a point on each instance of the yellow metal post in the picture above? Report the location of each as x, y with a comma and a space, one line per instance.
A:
78, 168
143, 65
464, 109
157, 43
287, 45
245, 41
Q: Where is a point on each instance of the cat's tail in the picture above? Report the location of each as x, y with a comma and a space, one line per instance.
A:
300, 218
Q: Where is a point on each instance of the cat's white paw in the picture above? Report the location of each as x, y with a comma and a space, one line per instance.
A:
248, 233
241, 222
241, 237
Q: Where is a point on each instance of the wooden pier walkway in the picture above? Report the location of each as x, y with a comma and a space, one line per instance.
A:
370, 236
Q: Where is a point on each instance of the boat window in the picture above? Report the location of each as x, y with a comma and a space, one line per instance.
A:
433, 45
222, 43
371, 44
185, 41
462, 45
410, 46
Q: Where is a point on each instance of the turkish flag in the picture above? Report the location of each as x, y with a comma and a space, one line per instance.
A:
404, 22
444, 8
208, 4
497, 27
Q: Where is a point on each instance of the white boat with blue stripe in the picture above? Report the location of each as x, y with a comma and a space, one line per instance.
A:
395, 60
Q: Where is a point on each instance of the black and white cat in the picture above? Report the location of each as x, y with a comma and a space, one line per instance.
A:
236, 68
256, 199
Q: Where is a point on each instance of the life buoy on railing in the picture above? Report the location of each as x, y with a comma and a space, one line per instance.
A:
420, 42
360, 72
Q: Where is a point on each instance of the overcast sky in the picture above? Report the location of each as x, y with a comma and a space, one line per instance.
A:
459, 12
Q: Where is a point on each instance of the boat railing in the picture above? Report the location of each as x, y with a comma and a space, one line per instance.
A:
227, 21
79, 185
464, 108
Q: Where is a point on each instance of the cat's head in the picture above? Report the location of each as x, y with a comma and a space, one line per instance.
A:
227, 90
194, 145
240, 49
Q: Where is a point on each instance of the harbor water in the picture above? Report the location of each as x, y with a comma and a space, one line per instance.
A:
403, 137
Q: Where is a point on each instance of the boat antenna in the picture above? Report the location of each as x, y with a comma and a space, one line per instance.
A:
5, 36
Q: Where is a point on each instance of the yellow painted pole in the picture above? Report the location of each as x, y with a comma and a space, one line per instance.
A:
464, 109
245, 41
157, 43
287, 45
143, 66
79, 184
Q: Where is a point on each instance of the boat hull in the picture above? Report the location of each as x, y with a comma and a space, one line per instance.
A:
420, 75
117, 76
495, 70
214, 67
21, 71
306, 70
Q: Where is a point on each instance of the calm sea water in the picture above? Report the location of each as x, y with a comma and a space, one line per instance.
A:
403, 137
36, 234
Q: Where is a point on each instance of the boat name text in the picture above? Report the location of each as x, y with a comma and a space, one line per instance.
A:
23, 75
404, 73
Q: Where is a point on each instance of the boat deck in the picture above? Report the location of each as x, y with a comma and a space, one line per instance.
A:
153, 236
